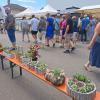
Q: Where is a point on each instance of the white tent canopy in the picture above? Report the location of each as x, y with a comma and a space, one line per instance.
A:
2, 13
90, 9
47, 9
28, 12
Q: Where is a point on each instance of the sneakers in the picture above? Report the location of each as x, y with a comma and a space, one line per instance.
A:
48, 45
53, 44
13, 48
72, 49
61, 46
28, 41
67, 51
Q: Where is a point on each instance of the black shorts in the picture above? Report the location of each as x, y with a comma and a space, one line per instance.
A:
34, 32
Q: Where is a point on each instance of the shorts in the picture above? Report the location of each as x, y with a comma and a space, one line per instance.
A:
34, 32
69, 37
57, 32
25, 31
75, 35
11, 35
62, 33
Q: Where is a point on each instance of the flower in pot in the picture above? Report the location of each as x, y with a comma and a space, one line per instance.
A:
34, 52
81, 88
56, 77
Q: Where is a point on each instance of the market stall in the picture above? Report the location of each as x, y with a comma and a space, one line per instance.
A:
28, 13
47, 9
93, 10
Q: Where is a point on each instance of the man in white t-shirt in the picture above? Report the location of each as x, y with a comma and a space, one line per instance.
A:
34, 25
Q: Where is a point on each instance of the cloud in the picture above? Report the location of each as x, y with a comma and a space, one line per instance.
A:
27, 6
31, 1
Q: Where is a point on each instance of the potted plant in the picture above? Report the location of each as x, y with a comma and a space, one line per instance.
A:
56, 77
34, 52
9, 53
32, 64
41, 68
81, 88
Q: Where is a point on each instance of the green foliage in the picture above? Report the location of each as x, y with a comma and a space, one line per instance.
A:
83, 90
89, 87
74, 87
71, 82
56, 72
41, 66
78, 80
1, 49
28, 54
82, 78
33, 63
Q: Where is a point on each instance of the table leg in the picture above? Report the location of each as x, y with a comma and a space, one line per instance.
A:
2, 62
20, 71
11, 66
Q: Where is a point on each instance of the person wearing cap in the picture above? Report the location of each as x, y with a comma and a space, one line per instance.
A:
10, 27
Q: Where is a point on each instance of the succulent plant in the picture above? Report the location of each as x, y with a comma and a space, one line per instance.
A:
80, 77
74, 87
81, 83
56, 77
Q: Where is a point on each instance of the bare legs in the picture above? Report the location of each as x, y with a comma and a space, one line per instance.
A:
24, 35
87, 66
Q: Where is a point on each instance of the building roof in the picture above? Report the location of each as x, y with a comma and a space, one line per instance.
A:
16, 6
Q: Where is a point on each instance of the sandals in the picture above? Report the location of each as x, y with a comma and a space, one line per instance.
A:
87, 68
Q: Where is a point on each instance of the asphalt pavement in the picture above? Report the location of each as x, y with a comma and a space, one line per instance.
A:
28, 87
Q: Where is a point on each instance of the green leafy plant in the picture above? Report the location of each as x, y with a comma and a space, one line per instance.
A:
81, 83
56, 72
33, 63
70, 82
28, 54
41, 66
74, 87
80, 77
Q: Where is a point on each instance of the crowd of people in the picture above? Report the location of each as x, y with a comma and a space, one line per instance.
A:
64, 29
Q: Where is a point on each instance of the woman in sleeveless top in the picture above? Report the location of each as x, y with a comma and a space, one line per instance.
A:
94, 46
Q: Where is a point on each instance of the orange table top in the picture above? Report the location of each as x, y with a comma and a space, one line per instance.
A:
62, 88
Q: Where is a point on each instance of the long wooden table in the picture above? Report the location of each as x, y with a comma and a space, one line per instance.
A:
15, 62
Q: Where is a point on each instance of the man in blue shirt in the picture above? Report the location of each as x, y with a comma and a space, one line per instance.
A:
85, 22
10, 27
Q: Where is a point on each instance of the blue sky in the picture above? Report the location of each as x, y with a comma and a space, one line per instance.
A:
35, 4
